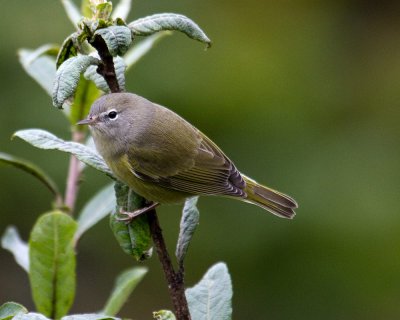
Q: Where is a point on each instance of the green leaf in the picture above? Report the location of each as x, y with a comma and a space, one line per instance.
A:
211, 298
134, 238
39, 66
31, 169
96, 209
103, 11
67, 50
189, 222
52, 263
72, 11
89, 316
67, 77
10, 309
45, 140
168, 21
124, 285
142, 48
120, 67
164, 315
85, 95
12, 242
117, 38
30, 316
122, 9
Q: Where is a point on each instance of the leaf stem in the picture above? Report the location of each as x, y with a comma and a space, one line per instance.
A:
74, 174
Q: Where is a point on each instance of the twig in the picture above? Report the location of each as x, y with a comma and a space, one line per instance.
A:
74, 174
175, 279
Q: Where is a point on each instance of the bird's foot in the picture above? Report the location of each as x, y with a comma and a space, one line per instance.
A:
129, 216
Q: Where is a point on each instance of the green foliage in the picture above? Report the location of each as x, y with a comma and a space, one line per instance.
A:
12, 242
117, 38
10, 309
164, 315
124, 285
96, 209
32, 169
52, 263
168, 21
134, 237
189, 221
45, 140
211, 298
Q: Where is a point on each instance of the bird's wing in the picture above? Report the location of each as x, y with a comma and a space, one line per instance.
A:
207, 171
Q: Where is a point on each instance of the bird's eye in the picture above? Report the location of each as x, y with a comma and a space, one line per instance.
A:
113, 114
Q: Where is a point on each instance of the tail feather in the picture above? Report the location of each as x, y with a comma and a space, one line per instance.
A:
271, 200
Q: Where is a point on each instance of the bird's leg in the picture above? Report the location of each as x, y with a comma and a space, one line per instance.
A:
129, 216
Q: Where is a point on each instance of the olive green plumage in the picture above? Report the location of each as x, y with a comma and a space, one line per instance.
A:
165, 159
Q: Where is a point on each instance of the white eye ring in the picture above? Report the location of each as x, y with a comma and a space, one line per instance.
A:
112, 114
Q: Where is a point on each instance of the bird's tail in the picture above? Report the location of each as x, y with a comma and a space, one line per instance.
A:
271, 200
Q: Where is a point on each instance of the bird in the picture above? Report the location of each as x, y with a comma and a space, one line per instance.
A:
166, 160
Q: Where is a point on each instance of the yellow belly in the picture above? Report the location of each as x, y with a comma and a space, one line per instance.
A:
148, 190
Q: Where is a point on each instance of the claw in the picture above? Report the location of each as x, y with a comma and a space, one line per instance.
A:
129, 216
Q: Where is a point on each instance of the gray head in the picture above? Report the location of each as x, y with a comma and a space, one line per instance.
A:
115, 118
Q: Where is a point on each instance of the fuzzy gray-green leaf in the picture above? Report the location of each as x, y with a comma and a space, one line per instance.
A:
119, 66
211, 298
67, 77
189, 221
52, 263
123, 287
117, 38
134, 238
67, 50
30, 316
10, 309
12, 242
168, 21
96, 209
139, 50
31, 169
45, 140
39, 65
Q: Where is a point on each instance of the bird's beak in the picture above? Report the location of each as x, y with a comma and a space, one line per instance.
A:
88, 120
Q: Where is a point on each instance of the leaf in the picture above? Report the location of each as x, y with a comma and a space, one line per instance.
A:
134, 238
31, 169
168, 21
67, 77
72, 11
67, 50
142, 48
30, 316
85, 95
124, 285
52, 263
12, 242
39, 66
45, 140
10, 309
117, 38
211, 298
189, 222
120, 67
122, 9
89, 316
164, 315
96, 209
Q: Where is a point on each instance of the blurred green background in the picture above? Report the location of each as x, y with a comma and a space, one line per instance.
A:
302, 95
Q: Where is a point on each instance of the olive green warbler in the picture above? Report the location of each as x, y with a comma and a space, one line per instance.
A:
165, 159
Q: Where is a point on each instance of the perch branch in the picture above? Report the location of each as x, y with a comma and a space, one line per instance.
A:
174, 279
